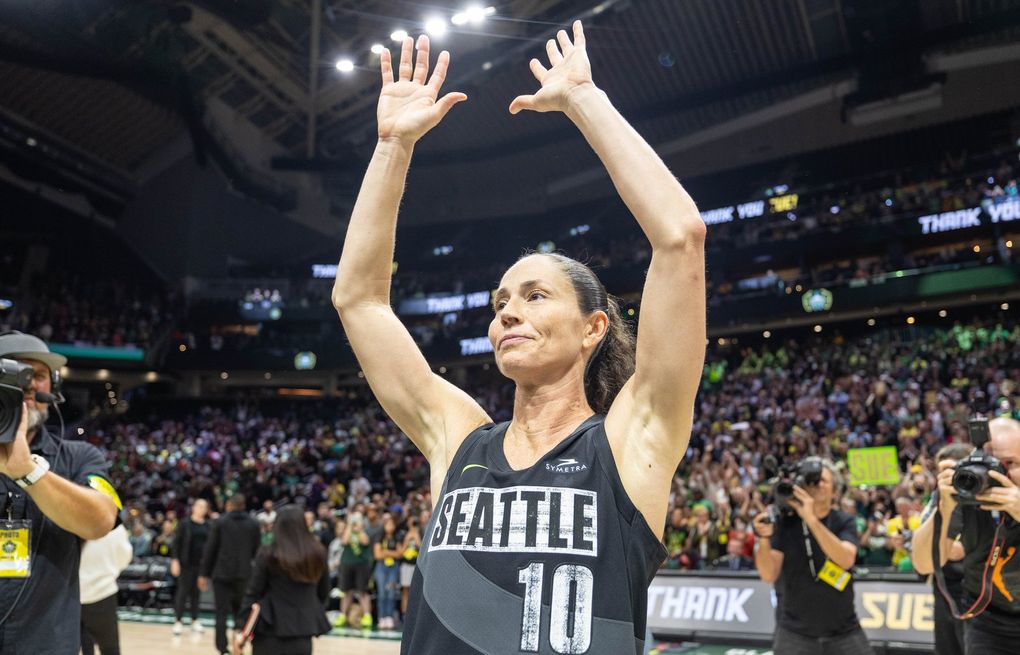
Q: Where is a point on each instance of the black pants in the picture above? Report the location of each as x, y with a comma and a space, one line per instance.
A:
979, 641
187, 591
99, 627
227, 594
791, 643
269, 645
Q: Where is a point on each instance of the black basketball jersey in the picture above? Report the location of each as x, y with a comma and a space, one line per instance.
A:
552, 559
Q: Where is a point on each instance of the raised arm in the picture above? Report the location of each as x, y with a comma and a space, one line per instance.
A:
431, 411
649, 424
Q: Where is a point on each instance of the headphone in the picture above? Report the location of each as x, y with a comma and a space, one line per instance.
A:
56, 380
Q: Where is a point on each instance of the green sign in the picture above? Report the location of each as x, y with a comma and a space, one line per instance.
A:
874, 466
72, 351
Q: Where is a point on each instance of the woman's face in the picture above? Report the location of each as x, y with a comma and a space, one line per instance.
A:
538, 331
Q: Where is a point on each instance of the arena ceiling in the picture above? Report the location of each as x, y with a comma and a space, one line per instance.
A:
114, 90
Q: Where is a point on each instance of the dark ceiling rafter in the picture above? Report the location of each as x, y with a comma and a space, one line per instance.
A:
143, 70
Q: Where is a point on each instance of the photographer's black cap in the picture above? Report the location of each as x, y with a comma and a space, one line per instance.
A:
18, 345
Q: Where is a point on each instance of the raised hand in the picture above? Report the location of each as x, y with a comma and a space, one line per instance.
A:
570, 73
408, 106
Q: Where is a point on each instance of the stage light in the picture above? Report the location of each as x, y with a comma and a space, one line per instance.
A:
977, 248
344, 65
442, 370
377, 48
818, 328
268, 376
1009, 244
1004, 306
102, 374
871, 322
435, 26
474, 14
224, 375
766, 334
487, 66
398, 35
182, 348
910, 320
943, 313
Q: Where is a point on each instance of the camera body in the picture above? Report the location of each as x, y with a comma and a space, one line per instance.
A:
805, 473
970, 477
15, 379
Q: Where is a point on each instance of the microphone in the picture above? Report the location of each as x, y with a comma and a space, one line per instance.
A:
49, 398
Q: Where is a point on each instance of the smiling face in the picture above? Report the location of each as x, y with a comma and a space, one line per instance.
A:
538, 332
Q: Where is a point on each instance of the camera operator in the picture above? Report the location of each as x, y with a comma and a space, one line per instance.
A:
989, 535
948, 630
807, 553
53, 495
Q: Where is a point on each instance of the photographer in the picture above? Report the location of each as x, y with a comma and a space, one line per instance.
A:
948, 630
53, 495
807, 553
989, 535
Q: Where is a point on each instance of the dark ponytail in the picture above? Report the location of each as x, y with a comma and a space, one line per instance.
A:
612, 362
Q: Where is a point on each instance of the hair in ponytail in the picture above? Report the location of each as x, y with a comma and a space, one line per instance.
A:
612, 362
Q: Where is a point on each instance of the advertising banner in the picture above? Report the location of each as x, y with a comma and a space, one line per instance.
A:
685, 605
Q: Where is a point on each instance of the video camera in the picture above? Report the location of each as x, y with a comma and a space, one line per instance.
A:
15, 379
805, 473
971, 478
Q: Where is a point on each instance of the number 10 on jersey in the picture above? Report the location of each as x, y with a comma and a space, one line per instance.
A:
570, 608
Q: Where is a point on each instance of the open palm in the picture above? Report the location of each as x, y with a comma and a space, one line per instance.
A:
570, 72
408, 106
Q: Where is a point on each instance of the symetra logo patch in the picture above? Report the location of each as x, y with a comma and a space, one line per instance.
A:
564, 465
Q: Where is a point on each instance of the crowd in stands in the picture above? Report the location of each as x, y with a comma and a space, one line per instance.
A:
122, 310
911, 387
82, 309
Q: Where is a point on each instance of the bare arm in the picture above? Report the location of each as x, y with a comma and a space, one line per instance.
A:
920, 549
649, 423
768, 561
425, 406
77, 509
949, 549
842, 553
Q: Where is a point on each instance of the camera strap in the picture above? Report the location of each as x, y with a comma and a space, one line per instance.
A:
810, 552
987, 589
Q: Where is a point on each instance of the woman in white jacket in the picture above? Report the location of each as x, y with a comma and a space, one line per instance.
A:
102, 561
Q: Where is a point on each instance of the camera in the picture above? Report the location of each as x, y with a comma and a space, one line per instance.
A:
15, 378
971, 477
805, 473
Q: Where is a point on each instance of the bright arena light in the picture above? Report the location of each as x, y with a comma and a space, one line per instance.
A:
398, 35
435, 26
344, 65
377, 48
474, 14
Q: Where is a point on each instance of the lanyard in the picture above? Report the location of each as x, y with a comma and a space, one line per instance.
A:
810, 552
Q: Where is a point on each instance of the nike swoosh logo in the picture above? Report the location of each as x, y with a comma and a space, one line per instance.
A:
568, 462
473, 466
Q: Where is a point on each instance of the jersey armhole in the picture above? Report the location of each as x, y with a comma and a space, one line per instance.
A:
624, 505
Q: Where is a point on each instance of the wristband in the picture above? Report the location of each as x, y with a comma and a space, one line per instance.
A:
41, 468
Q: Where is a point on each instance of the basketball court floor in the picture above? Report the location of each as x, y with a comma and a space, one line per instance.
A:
147, 638
153, 638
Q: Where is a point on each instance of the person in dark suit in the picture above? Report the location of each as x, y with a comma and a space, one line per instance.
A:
188, 548
291, 583
233, 542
